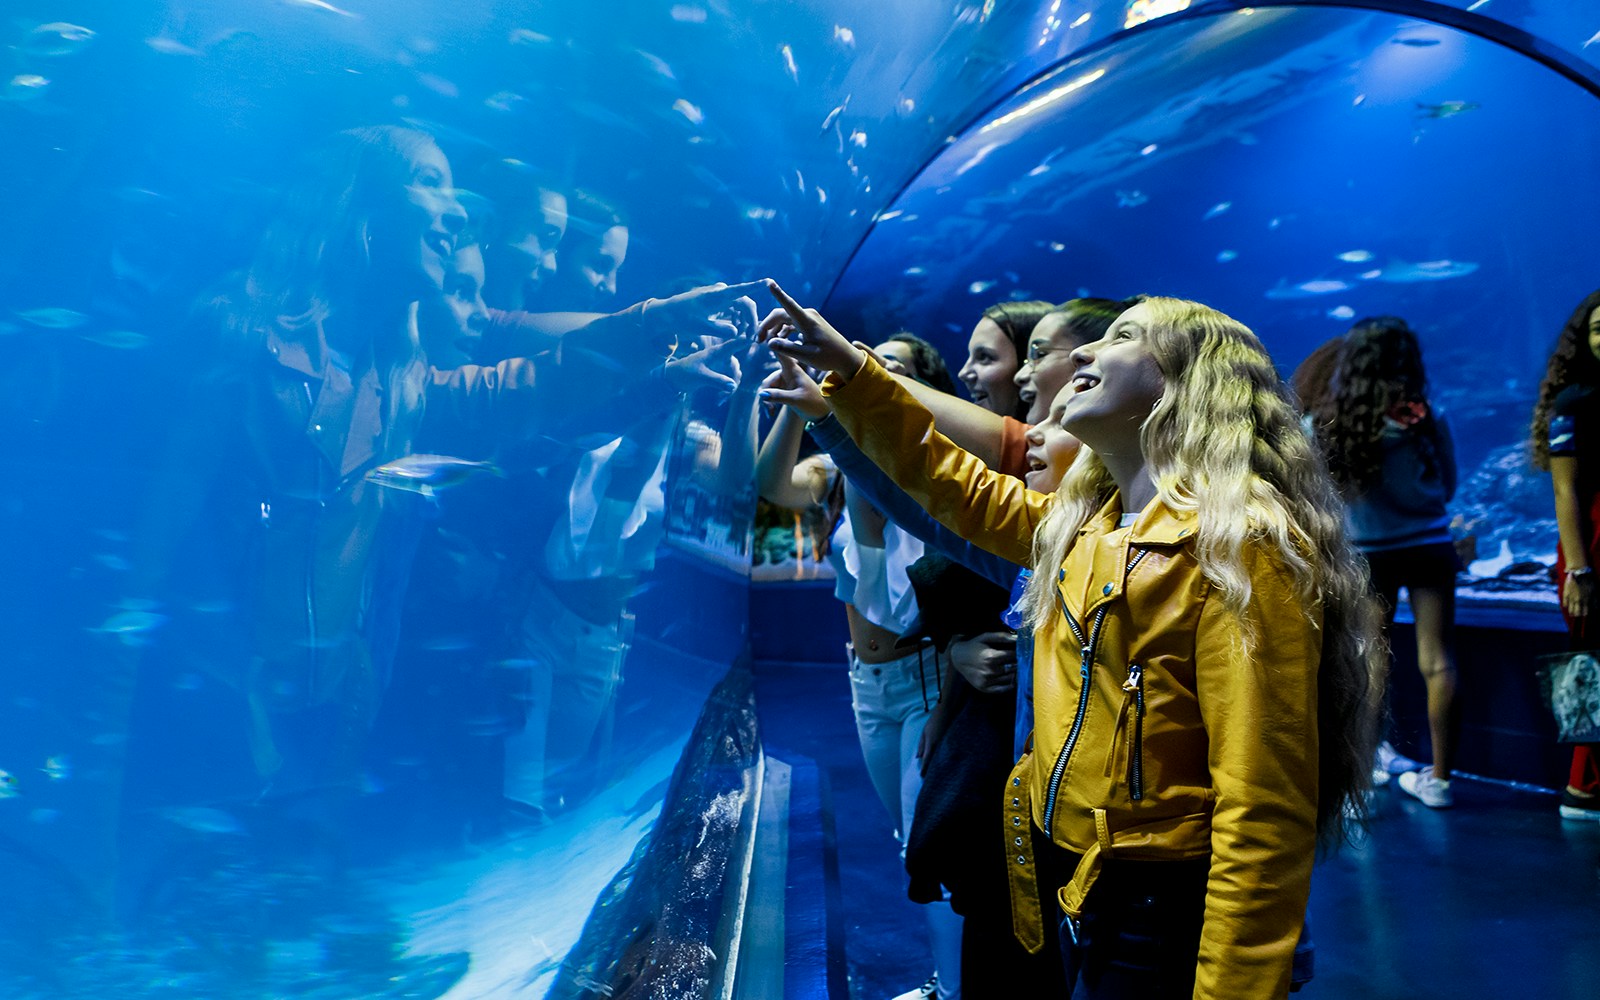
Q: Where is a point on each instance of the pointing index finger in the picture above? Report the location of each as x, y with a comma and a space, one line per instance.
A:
795, 310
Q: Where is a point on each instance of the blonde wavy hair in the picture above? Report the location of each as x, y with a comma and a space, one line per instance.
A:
1225, 442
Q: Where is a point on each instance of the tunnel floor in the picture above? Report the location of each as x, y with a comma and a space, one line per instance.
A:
1496, 897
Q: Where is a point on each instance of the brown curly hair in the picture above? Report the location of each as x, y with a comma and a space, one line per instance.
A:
1381, 367
1571, 363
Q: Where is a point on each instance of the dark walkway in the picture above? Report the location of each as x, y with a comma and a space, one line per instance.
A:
1495, 898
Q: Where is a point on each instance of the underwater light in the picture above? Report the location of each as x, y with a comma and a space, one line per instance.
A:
1045, 100
1140, 11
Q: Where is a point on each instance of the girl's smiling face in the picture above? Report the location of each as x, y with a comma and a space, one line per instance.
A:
1051, 449
992, 362
1115, 384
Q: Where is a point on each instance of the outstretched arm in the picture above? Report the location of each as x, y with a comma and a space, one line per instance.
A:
994, 511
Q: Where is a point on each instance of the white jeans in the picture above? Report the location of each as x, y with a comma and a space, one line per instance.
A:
892, 702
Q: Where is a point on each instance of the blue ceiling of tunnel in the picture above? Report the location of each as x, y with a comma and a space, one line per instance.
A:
1298, 168
742, 137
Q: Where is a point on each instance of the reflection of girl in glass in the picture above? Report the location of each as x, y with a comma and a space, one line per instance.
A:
1390, 452
321, 381
1566, 440
1205, 649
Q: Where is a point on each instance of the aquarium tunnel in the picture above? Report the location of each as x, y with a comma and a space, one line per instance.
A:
388, 605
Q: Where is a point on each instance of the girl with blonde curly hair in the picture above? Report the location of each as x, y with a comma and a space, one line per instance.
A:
1206, 654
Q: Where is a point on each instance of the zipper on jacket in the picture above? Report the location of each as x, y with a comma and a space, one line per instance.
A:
1135, 685
1086, 651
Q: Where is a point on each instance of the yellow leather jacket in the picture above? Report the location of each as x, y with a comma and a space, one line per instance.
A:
1156, 735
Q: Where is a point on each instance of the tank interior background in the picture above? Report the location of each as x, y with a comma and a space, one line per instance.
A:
1297, 165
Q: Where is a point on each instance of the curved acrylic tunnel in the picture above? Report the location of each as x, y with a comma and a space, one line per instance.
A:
338, 666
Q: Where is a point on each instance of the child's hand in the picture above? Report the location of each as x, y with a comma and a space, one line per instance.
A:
792, 387
803, 335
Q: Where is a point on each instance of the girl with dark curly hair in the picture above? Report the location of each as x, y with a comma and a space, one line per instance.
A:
1390, 453
1566, 440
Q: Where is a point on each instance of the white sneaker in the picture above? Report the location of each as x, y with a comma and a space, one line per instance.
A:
1391, 761
927, 989
1432, 792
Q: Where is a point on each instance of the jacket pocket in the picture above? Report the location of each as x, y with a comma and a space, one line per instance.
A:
1134, 685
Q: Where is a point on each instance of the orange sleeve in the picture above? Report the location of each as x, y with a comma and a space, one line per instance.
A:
1013, 448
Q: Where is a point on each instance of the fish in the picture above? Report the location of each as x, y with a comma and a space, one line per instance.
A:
1355, 256
844, 36
427, 474
1223, 256
321, 5
8, 785
202, 819
505, 101
1592, 39
1308, 289
1446, 109
1055, 247
122, 340
914, 270
1341, 312
660, 66
1131, 199
689, 111
113, 562
979, 287
858, 138
833, 115
1416, 42
527, 36
131, 623
686, 13
54, 318
26, 87
1399, 272
1216, 210
169, 46
57, 768
789, 65
58, 38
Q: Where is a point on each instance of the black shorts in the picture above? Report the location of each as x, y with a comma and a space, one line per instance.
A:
1434, 566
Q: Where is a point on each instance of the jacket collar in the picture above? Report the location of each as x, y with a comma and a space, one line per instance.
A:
1157, 524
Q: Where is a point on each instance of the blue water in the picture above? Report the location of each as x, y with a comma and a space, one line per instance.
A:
416, 770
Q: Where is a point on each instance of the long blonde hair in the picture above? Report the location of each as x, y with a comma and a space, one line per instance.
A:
1225, 442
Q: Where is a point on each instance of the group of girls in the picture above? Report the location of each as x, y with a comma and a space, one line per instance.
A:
1205, 654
